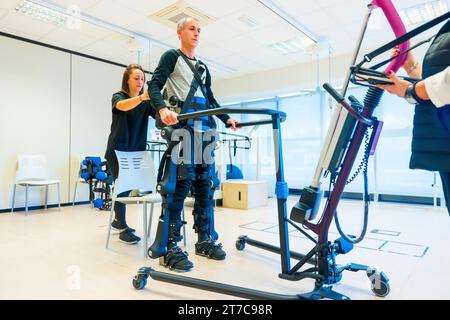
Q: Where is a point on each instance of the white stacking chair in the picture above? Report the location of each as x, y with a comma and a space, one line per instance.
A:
32, 171
136, 171
78, 180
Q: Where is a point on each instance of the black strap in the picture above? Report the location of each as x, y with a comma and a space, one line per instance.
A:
197, 80
368, 57
188, 100
401, 53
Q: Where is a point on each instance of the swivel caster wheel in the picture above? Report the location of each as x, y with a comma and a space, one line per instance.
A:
381, 289
379, 283
140, 281
240, 244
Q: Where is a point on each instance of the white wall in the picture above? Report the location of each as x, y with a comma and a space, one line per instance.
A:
93, 83
53, 103
34, 114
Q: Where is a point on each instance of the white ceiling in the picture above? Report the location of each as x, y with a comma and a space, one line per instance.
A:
225, 42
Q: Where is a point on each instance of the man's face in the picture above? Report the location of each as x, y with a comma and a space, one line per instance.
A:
190, 35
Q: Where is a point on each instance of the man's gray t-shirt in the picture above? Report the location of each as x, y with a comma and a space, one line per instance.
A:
175, 77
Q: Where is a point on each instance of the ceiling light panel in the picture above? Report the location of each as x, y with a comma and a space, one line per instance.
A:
423, 12
42, 13
292, 45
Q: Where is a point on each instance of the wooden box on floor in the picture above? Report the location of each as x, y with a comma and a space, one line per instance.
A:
244, 194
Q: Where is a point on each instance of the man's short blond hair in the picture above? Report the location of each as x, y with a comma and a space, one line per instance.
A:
183, 21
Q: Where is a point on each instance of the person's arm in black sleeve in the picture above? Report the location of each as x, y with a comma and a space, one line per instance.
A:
116, 98
150, 109
165, 68
213, 102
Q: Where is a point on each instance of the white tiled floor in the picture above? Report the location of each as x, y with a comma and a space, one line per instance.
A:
61, 254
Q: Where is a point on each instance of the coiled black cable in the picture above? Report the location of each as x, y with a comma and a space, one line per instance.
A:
371, 100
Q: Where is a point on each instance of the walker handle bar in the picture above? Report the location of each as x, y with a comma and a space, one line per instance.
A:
225, 110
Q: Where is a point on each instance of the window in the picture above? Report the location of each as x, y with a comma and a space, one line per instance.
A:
302, 136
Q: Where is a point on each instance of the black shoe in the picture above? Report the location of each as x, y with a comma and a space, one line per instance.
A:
115, 225
210, 249
176, 259
128, 237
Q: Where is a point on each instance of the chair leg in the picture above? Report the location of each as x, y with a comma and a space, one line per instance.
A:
109, 224
14, 198
46, 197
184, 228
59, 197
144, 233
149, 228
26, 200
74, 193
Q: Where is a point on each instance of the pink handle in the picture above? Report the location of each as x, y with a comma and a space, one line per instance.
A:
399, 29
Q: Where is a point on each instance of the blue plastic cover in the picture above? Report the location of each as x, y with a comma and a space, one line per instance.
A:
234, 172
281, 190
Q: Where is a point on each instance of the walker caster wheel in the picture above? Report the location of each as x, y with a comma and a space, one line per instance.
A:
140, 281
382, 289
379, 283
240, 244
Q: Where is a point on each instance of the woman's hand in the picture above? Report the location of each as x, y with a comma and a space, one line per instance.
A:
398, 88
411, 65
168, 117
232, 123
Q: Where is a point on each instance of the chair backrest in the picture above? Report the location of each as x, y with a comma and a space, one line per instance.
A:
136, 171
31, 167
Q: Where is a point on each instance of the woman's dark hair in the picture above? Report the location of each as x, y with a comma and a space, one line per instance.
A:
126, 76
